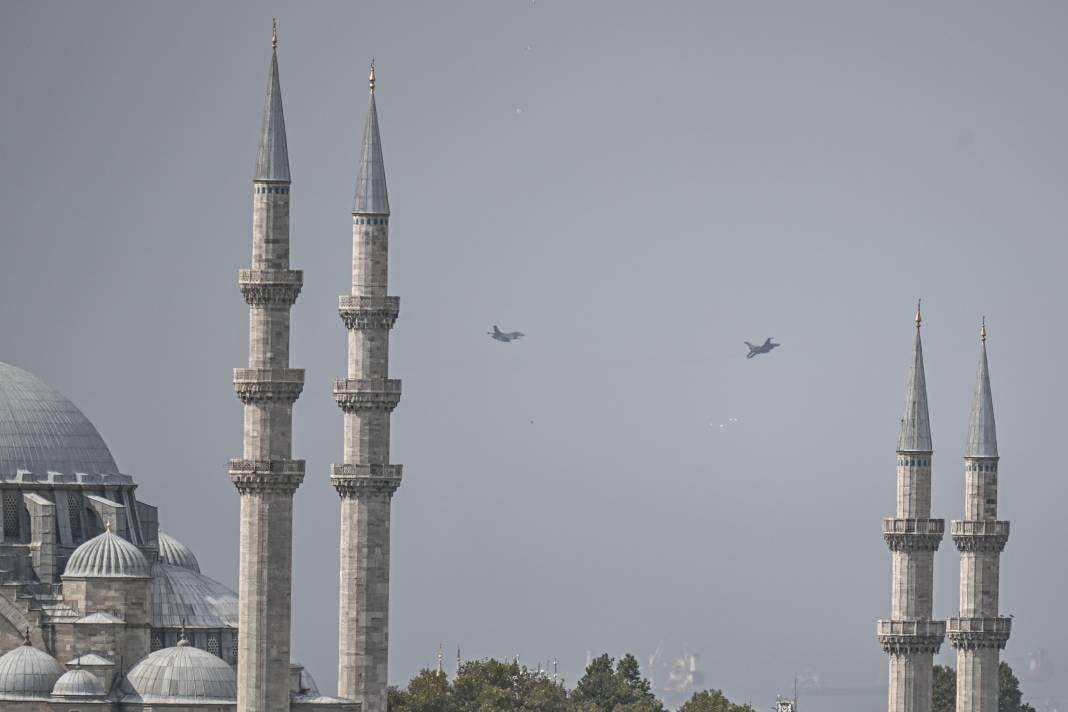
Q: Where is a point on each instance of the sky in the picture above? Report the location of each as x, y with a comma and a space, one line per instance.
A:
639, 187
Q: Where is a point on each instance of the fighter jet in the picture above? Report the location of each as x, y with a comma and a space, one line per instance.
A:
762, 349
504, 336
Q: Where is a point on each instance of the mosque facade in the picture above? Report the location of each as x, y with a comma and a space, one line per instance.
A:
101, 610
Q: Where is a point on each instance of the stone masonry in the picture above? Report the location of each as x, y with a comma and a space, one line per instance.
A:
366, 481
266, 476
979, 633
910, 637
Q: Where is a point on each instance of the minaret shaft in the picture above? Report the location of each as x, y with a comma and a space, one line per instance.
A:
266, 476
911, 637
366, 480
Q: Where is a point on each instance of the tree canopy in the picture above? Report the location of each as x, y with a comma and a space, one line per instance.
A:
1010, 698
492, 686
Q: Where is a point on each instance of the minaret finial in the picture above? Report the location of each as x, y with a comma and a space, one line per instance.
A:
274, 33
982, 330
371, 76
919, 318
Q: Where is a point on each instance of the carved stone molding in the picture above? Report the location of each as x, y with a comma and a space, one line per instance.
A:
270, 287
368, 312
910, 637
980, 535
913, 534
266, 476
358, 395
267, 385
366, 481
979, 633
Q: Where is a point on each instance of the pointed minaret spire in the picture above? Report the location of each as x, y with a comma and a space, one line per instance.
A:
371, 197
916, 423
982, 435
272, 164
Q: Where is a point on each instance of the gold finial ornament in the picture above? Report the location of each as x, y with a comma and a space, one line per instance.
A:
919, 319
107, 525
371, 76
982, 331
274, 33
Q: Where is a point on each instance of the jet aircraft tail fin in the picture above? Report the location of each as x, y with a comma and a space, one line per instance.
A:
751, 347
496, 330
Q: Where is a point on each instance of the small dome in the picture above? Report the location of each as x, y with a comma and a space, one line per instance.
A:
79, 683
180, 596
28, 672
175, 553
40, 430
107, 556
182, 674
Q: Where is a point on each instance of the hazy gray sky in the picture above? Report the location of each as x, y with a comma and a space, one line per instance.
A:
638, 187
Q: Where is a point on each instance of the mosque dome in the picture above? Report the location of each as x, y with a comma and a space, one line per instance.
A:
175, 553
183, 597
40, 430
28, 672
182, 674
79, 683
107, 556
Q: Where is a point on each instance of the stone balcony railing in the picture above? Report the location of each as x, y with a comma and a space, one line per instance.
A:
913, 534
356, 395
988, 535
368, 312
365, 480
979, 633
259, 385
270, 287
904, 637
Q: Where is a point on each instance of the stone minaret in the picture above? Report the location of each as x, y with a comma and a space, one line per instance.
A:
911, 637
265, 476
979, 633
366, 481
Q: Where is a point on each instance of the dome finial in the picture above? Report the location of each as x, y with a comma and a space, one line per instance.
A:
371, 76
26, 636
919, 318
107, 526
274, 33
182, 642
982, 330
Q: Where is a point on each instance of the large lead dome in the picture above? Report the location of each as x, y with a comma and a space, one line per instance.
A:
40, 430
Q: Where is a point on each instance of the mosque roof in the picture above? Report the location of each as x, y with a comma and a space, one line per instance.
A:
371, 197
175, 553
101, 618
182, 674
272, 163
42, 431
107, 556
181, 596
79, 683
28, 672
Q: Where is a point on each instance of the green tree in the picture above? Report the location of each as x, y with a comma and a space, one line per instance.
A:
1010, 699
712, 701
491, 686
620, 689
944, 686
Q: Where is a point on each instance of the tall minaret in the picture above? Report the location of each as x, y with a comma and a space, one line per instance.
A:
366, 481
979, 633
265, 476
911, 637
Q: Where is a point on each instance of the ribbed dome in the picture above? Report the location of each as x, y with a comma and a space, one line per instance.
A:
107, 556
182, 674
79, 683
28, 672
40, 430
175, 553
183, 597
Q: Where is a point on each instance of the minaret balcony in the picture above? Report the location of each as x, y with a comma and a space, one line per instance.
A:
268, 385
913, 534
979, 633
361, 395
266, 476
368, 312
979, 535
365, 480
270, 287
905, 637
